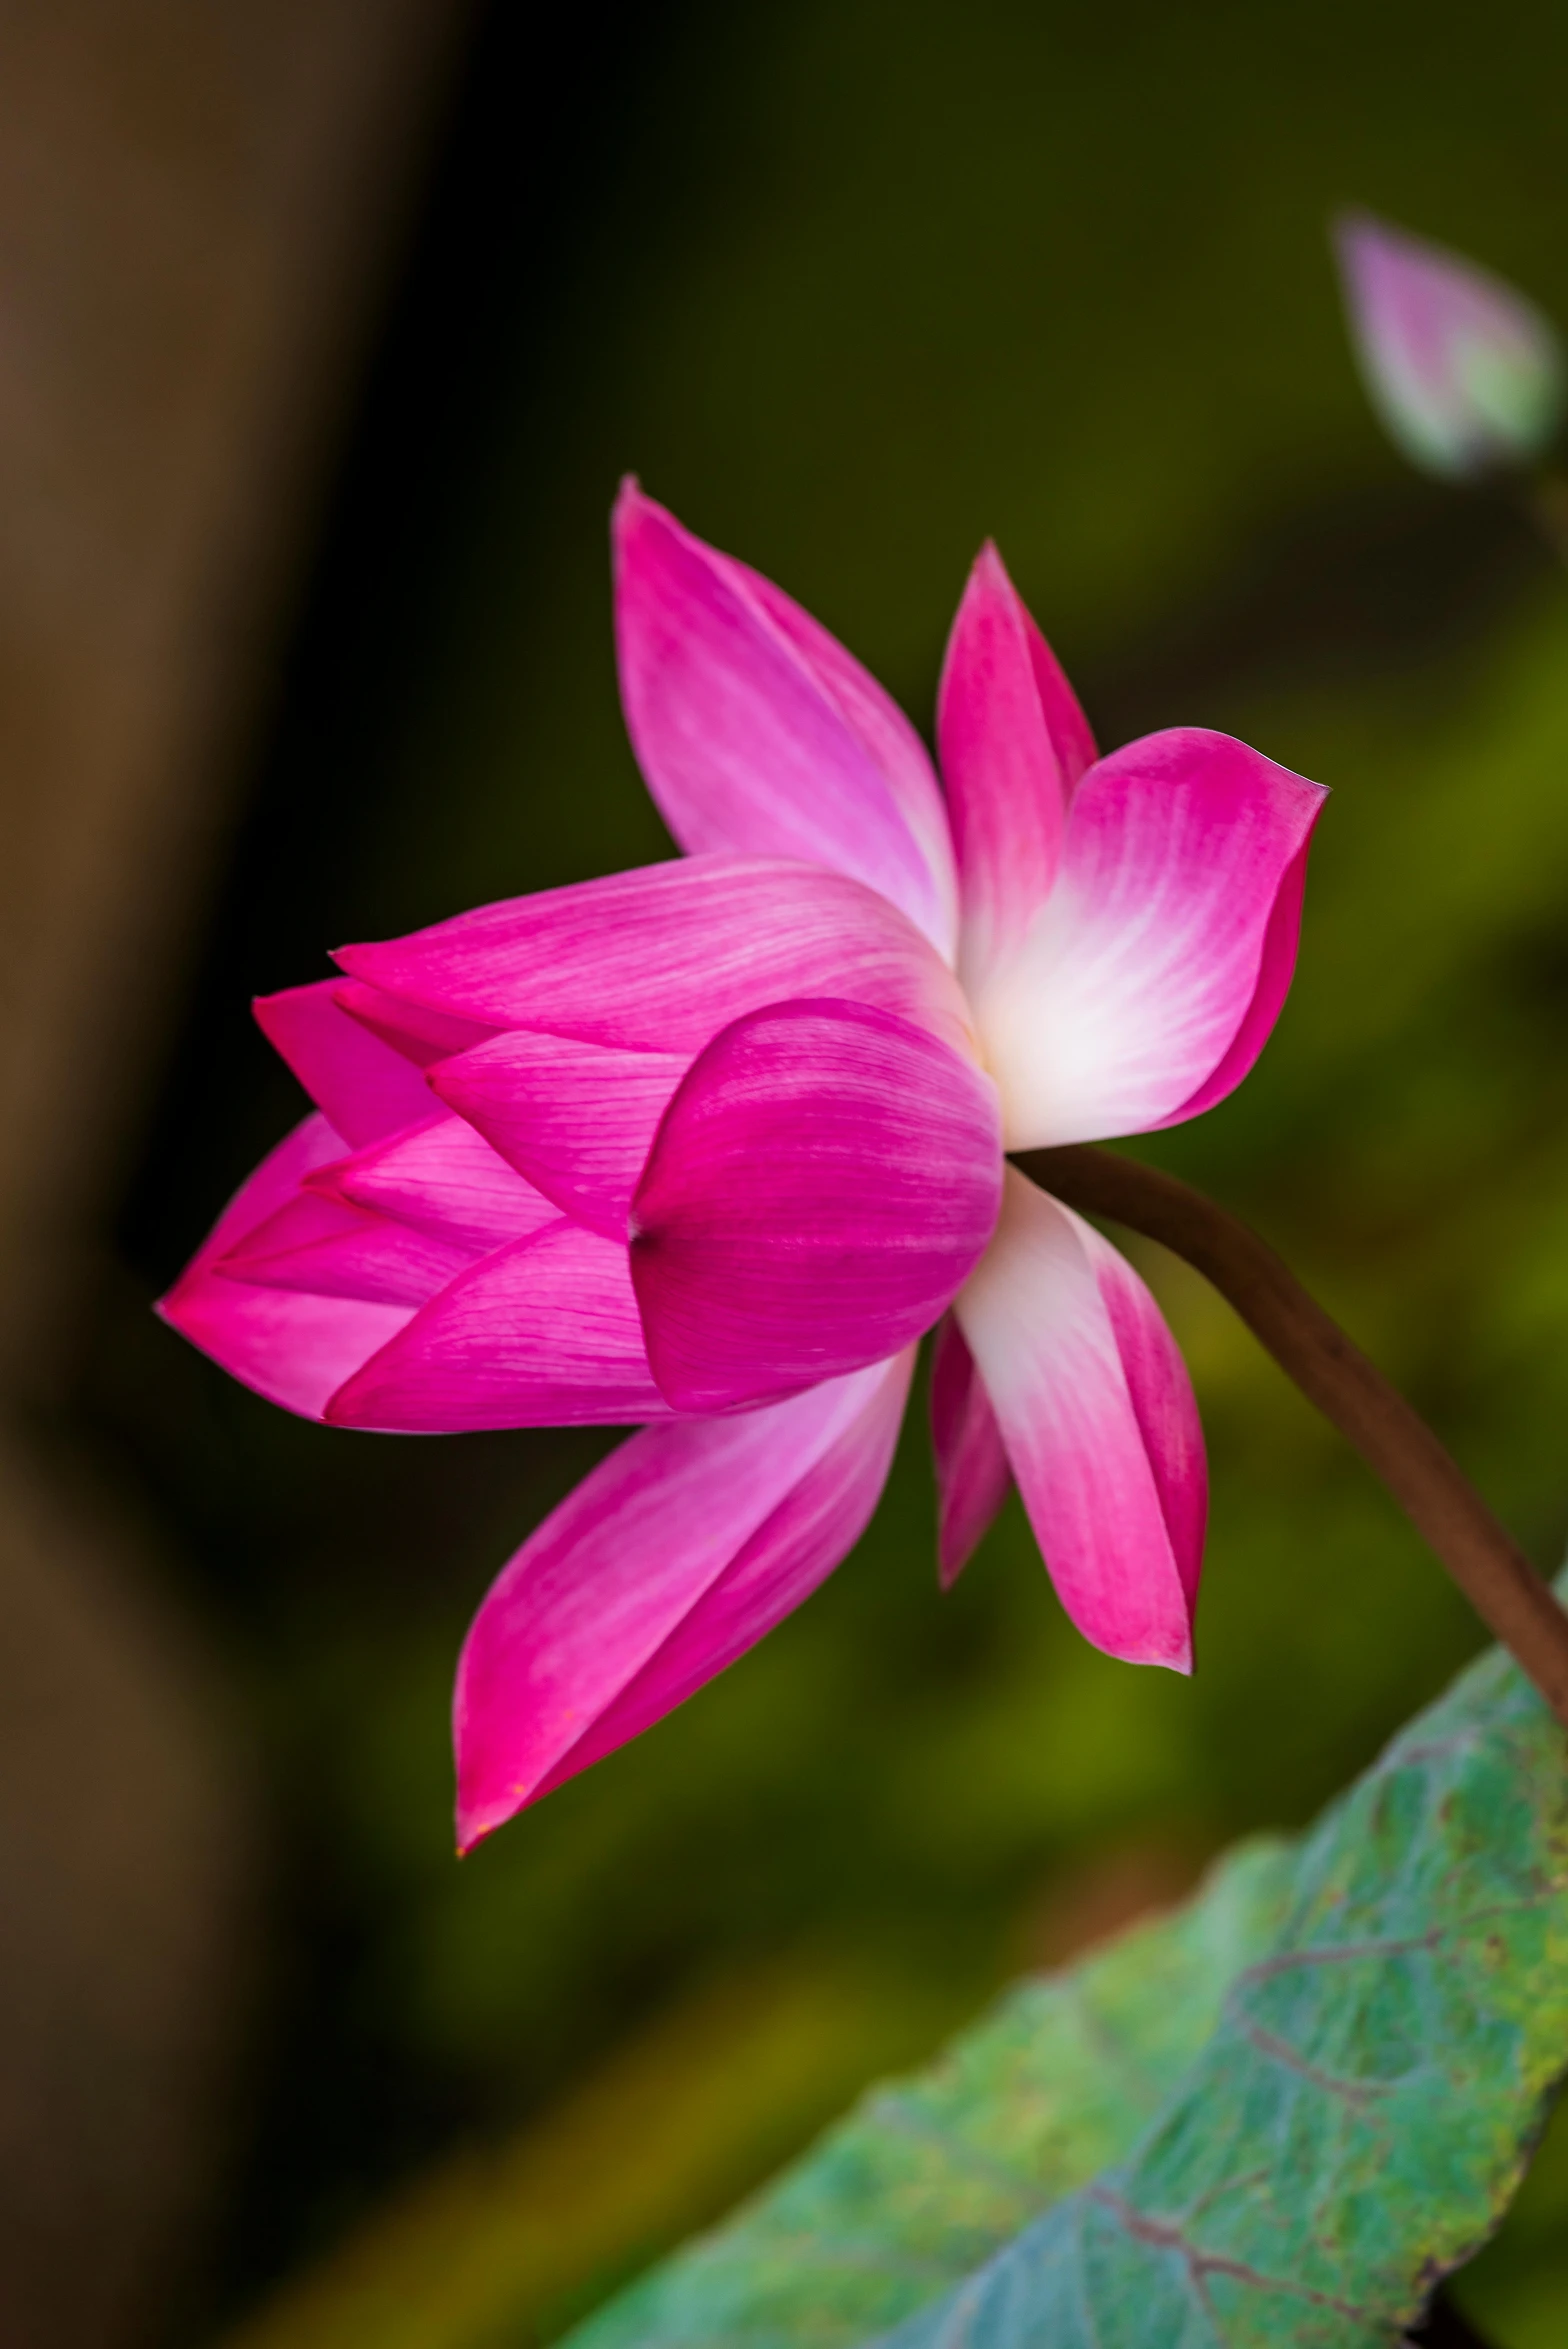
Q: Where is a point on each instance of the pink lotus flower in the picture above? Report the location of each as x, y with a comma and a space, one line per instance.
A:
1466, 374
710, 1145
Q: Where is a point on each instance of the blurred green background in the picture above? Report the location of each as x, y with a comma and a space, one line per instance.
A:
851, 287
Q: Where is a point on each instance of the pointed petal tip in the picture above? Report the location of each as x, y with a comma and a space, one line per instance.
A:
475, 1827
631, 502
950, 1563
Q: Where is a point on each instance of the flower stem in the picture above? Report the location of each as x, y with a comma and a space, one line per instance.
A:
1512, 1600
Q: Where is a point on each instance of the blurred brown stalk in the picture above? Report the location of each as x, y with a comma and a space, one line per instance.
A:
197, 210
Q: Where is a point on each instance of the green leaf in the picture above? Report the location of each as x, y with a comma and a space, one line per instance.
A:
1277, 2117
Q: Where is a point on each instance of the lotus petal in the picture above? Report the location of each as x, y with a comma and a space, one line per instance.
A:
575, 1119
444, 1179
294, 1349
544, 1333
331, 1249
1013, 744
1098, 1419
667, 1563
822, 1183
357, 1081
660, 959
757, 732
973, 1478
1152, 976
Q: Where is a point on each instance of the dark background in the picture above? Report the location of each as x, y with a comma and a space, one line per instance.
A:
851, 287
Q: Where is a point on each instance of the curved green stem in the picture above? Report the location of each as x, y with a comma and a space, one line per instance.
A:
1513, 1601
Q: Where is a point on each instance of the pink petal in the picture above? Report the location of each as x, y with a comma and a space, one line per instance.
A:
544, 1333
575, 1119
1013, 744
356, 1080
659, 960
1151, 978
412, 1029
667, 1563
823, 1181
1276, 969
972, 1475
756, 730
444, 1179
1098, 1418
332, 1249
293, 1349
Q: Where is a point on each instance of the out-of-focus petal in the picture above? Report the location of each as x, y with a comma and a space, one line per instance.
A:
332, 1249
972, 1475
1464, 371
667, 1563
575, 1119
357, 1081
757, 732
293, 1349
544, 1333
444, 1179
1164, 952
1013, 745
1098, 1418
660, 959
823, 1181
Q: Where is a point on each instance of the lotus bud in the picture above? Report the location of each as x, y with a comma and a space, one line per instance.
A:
1466, 374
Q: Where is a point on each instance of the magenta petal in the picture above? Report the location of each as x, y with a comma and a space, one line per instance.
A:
293, 1349
822, 1183
544, 1333
1013, 744
412, 1029
1276, 969
667, 1563
972, 1475
1151, 978
360, 1083
575, 1119
659, 960
1098, 1418
757, 732
444, 1179
332, 1249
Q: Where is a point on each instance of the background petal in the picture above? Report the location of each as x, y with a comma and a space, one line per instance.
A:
294, 1349
1013, 743
821, 1184
575, 1119
543, 1333
667, 1563
755, 729
972, 1473
1098, 1419
660, 959
1151, 978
